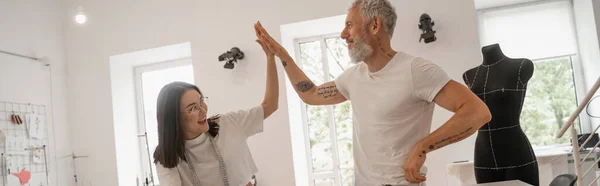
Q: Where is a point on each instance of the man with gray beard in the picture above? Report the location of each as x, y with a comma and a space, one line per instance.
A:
392, 95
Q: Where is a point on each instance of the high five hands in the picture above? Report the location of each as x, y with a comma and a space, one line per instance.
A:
265, 39
262, 43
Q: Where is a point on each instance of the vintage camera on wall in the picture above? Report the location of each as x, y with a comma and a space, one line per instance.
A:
426, 25
231, 56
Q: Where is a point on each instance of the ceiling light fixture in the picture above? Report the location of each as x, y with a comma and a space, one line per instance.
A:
80, 17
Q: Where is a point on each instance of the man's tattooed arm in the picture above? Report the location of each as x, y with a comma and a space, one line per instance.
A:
327, 91
304, 86
325, 94
452, 139
470, 114
447, 141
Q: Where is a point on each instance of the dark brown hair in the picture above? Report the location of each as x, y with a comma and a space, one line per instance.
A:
171, 141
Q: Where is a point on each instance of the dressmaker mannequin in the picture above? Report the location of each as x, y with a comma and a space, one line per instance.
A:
502, 150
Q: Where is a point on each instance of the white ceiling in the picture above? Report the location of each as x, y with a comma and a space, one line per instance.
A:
480, 4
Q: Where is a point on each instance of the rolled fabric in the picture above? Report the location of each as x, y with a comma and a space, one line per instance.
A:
19, 119
16, 119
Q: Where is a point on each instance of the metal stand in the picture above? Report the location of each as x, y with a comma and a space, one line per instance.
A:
4, 176
75, 167
19, 55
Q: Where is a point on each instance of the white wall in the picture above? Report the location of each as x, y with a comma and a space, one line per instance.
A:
596, 5
587, 37
34, 28
594, 65
213, 27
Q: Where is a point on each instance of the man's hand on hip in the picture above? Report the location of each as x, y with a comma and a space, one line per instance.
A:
412, 166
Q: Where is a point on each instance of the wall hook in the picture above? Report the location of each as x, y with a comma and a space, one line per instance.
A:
231, 56
426, 25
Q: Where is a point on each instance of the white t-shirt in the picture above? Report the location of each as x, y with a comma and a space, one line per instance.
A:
392, 110
235, 128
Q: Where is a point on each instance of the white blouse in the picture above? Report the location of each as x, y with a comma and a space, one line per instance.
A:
235, 128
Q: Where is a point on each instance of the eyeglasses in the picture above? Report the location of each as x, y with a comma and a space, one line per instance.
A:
194, 109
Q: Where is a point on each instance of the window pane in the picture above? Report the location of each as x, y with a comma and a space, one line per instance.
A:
321, 157
324, 182
345, 153
343, 124
347, 177
338, 60
549, 102
337, 56
343, 120
318, 127
311, 61
317, 116
320, 142
152, 82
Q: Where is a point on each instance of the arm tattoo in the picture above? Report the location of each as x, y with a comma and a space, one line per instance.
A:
284, 63
327, 92
450, 140
304, 86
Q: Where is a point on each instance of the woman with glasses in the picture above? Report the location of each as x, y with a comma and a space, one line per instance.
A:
194, 150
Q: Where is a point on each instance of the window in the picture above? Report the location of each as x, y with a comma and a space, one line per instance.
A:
149, 81
329, 128
543, 32
549, 101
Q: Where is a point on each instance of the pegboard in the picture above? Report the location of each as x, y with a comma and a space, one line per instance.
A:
23, 146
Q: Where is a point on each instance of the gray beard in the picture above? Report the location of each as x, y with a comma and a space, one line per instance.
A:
360, 51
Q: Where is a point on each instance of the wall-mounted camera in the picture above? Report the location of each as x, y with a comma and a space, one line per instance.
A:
231, 56
426, 25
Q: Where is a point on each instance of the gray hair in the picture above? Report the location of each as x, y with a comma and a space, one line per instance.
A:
381, 8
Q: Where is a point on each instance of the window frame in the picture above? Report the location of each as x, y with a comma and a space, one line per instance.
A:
337, 169
144, 150
576, 63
